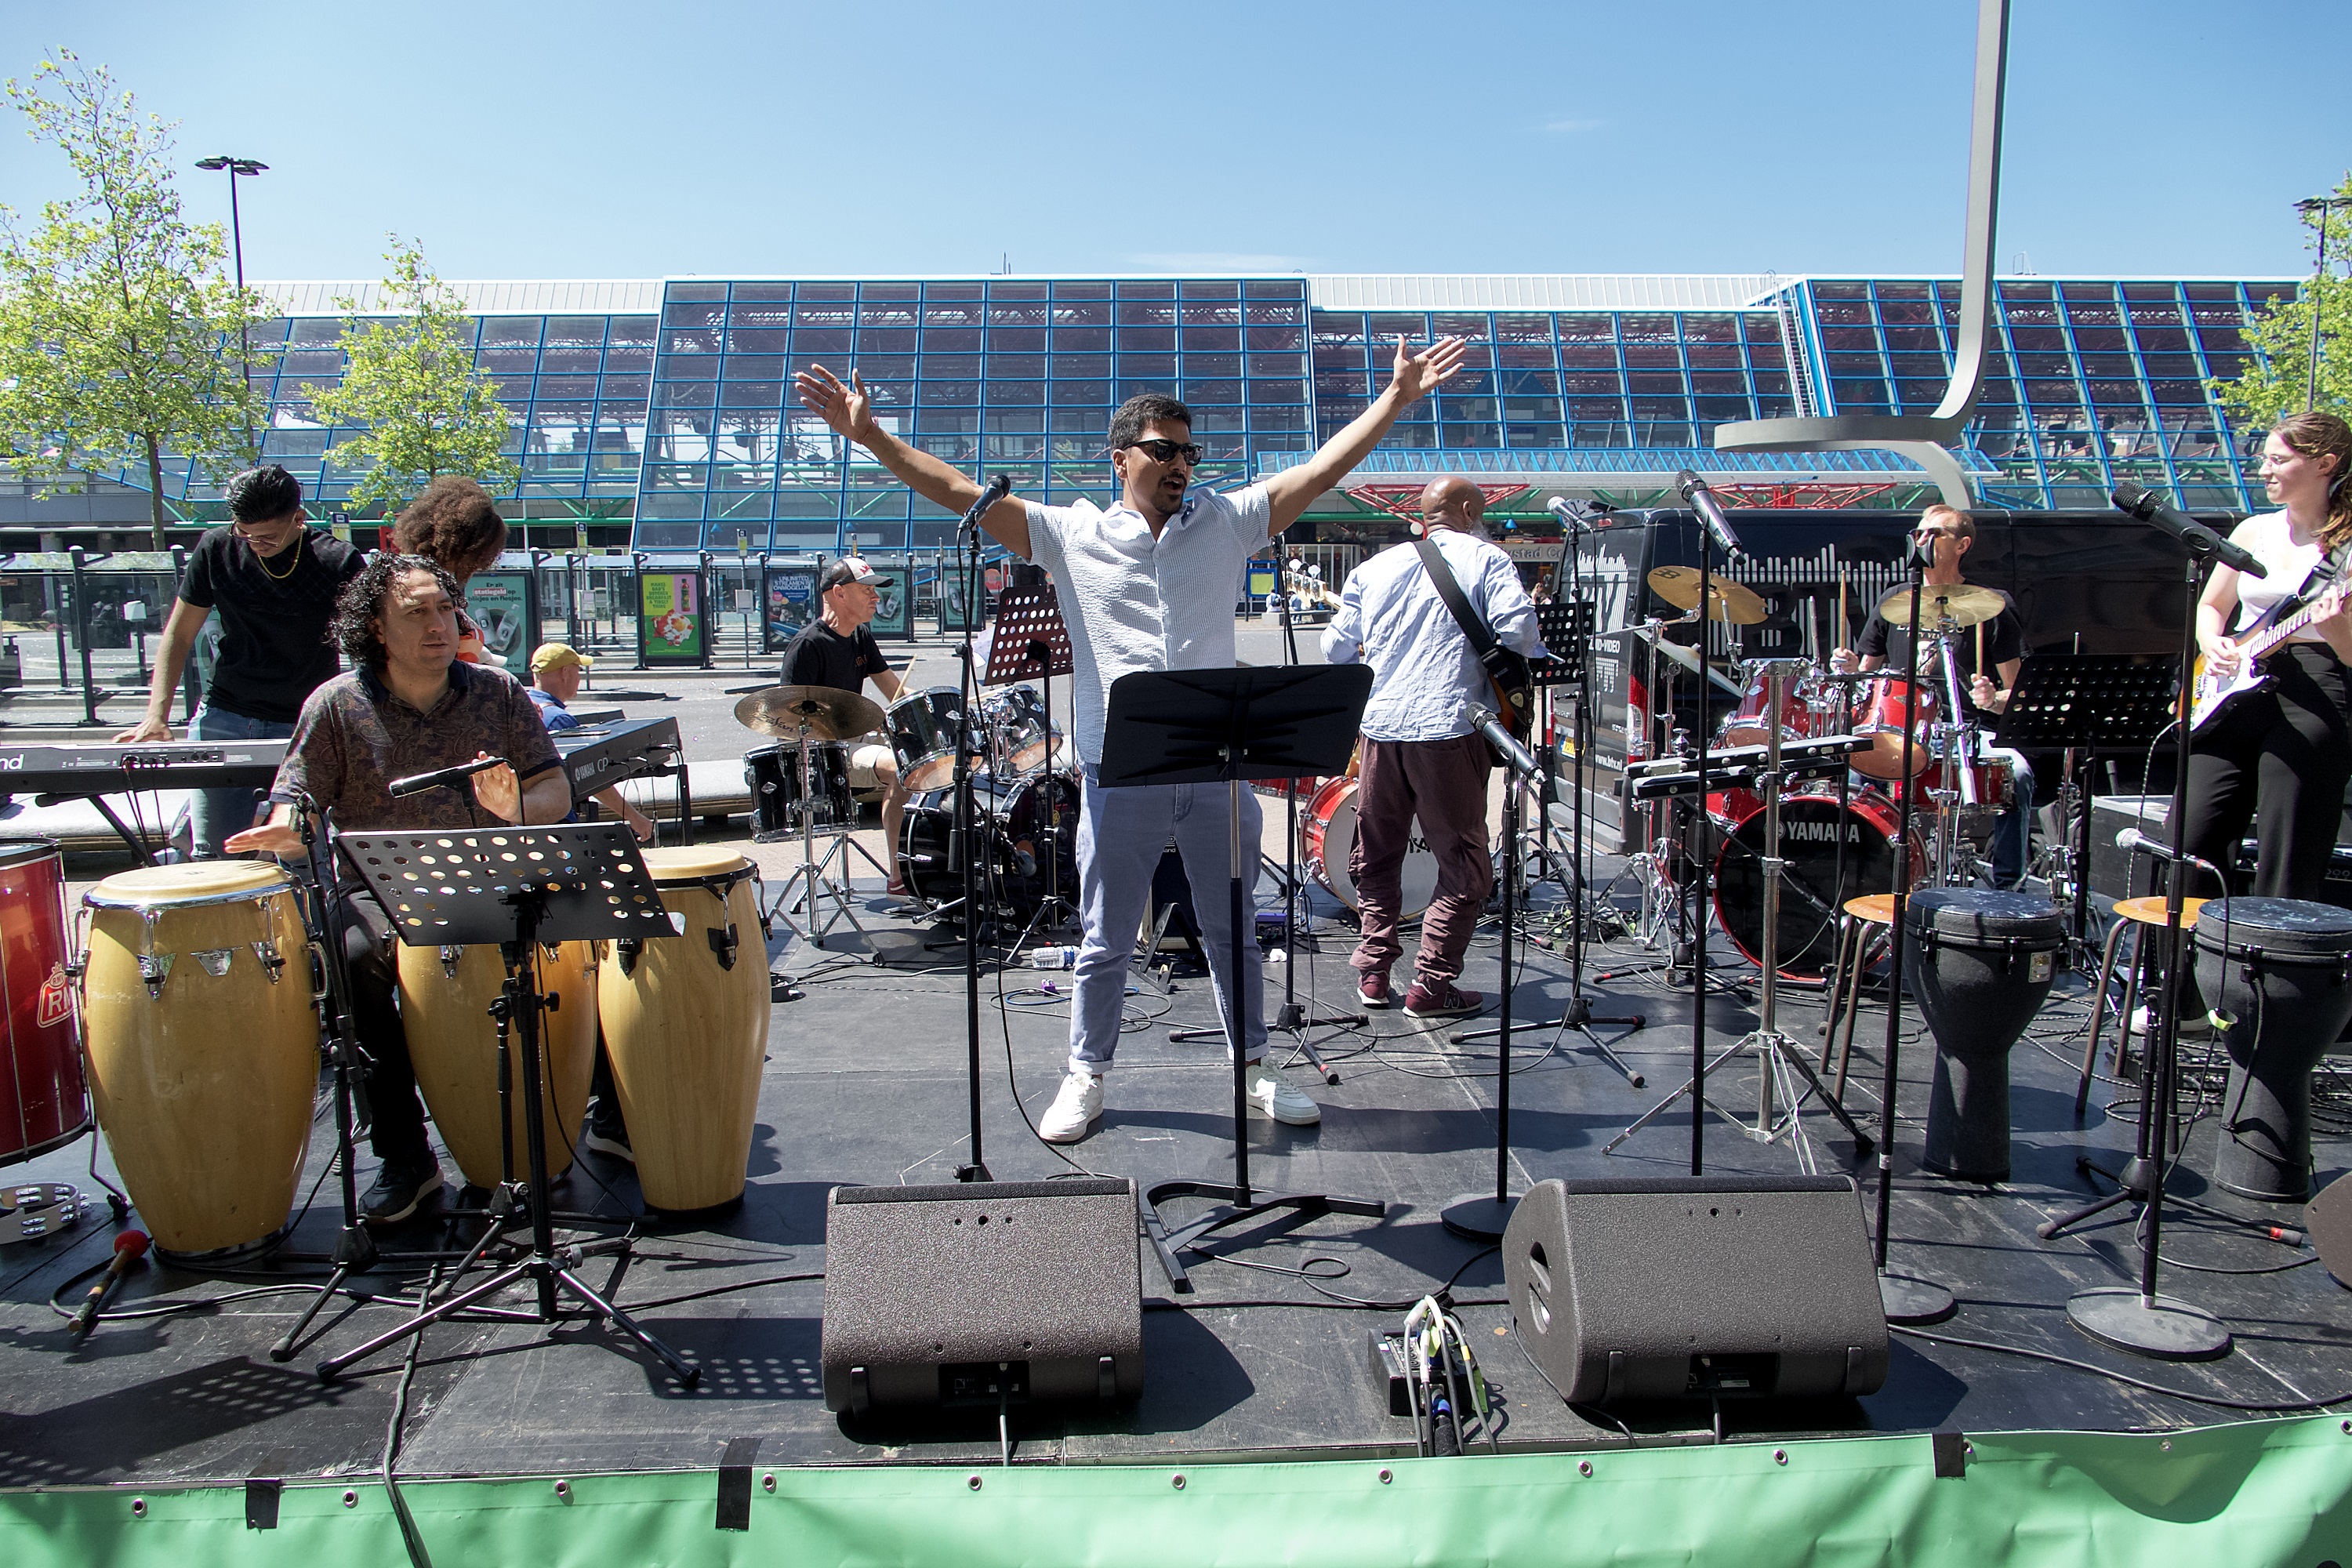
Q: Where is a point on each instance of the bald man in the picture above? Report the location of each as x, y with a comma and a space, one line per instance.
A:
1422, 757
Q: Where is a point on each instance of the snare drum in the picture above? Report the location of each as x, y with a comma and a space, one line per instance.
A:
453, 1044
1882, 718
203, 1045
44, 1101
1330, 832
1022, 739
685, 1025
923, 735
781, 803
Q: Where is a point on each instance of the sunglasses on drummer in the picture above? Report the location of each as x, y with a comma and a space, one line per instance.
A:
1163, 450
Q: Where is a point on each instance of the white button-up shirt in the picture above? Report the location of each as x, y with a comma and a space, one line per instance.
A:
1425, 679
1133, 602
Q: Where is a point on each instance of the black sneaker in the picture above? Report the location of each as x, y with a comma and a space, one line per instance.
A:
610, 1141
399, 1187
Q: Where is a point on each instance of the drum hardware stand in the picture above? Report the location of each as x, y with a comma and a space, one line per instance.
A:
2137, 1318
814, 874
1781, 1061
1205, 726
576, 870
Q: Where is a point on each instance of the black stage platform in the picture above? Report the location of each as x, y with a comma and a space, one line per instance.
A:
865, 1083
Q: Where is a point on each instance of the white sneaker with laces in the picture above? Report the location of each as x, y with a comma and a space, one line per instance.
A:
1270, 1096
1074, 1109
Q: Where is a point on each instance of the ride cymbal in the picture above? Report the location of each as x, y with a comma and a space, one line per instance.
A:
1962, 603
1728, 601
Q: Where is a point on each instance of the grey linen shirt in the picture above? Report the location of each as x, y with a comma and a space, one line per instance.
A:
354, 737
1425, 679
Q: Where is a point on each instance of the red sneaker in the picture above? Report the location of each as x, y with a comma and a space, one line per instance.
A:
1420, 1002
1372, 990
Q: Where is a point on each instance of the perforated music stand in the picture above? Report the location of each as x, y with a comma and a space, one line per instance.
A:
517, 888
1206, 726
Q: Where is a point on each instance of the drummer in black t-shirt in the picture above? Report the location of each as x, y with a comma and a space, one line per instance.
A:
836, 649
274, 580
1952, 531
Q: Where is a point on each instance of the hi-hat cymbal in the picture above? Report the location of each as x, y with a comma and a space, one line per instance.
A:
1729, 601
1962, 603
1686, 657
829, 713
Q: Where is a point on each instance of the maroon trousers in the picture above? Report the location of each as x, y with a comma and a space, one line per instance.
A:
1443, 784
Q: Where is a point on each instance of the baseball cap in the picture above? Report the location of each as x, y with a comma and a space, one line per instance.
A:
849, 569
557, 656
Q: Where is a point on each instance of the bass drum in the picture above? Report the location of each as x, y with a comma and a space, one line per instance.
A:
1329, 832
1017, 821
1813, 892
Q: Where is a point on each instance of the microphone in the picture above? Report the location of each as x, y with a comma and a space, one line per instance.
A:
2138, 843
1517, 757
1701, 500
998, 489
417, 784
1559, 508
128, 1248
2136, 501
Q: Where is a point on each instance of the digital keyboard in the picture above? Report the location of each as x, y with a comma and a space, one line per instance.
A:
88, 770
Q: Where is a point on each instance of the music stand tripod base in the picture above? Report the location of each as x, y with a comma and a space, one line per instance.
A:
1914, 1303
2158, 1327
1479, 1216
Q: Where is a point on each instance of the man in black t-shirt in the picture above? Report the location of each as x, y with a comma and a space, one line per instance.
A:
836, 649
274, 579
1951, 532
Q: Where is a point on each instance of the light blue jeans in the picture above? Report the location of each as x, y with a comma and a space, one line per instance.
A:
1121, 834
218, 813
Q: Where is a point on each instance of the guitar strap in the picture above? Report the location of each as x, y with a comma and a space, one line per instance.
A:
2322, 575
1441, 577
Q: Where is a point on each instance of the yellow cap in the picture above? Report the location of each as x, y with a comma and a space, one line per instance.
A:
558, 656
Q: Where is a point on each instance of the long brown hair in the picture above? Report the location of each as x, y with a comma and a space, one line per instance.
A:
2318, 435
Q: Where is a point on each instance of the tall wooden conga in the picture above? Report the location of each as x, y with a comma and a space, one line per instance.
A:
685, 1025
453, 1042
204, 1047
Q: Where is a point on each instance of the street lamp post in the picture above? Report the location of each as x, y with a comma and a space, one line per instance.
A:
248, 167
2318, 279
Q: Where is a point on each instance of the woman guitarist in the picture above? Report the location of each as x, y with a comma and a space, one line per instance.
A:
2279, 755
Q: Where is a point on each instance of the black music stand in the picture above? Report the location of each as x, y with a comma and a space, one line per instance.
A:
1032, 642
1204, 726
1566, 628
517, 887
2092, 702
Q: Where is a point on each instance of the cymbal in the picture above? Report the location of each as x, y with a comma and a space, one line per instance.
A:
1686, 657
1733, 602
1962, 603
831, 713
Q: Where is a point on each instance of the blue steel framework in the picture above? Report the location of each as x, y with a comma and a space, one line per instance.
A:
683, 424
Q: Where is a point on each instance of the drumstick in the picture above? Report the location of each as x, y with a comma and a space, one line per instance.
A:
1840, 626
1979, 664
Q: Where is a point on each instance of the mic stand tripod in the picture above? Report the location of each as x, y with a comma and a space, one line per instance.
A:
588, 883
1203, 726
1781, 1061
1566, 628
355, 1249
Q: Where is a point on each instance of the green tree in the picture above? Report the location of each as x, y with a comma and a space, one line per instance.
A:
2276, 383
411, 388
119, 328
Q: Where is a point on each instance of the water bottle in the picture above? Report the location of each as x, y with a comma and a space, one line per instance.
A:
1063, 957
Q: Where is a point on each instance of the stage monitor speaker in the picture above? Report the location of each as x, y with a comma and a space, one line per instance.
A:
2328, 1219
1691, 1287
974, 1293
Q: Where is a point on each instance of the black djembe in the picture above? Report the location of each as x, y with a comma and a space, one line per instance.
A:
1985, 961
2276, 969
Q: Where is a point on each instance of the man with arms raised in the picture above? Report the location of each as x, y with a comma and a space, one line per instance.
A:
408, 708
836, 649
274, 579
1148, 584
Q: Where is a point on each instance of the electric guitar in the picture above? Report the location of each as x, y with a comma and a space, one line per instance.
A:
2215, 692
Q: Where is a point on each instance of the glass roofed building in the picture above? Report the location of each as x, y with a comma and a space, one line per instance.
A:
659, 415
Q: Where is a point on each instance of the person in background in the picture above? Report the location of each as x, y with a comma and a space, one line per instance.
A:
454, 523
558, 670
836, 649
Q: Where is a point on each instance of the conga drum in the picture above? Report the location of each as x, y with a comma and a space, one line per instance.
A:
2278, 968
204, 1047
44, 1101
1985, 964
685, 1025
453, 1044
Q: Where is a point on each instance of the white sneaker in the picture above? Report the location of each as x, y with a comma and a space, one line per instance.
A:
1270, 1096
2193, 1025
1074, 1109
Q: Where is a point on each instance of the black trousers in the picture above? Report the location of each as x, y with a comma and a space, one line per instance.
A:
2279, 759
370, 966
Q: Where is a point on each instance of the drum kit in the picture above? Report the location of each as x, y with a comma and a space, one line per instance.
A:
1025, 794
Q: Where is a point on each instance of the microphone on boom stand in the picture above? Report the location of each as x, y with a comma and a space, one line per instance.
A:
417, 783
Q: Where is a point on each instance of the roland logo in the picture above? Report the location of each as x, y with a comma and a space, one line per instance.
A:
1821, 832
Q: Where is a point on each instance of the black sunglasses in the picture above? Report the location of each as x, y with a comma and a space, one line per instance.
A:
1161, 449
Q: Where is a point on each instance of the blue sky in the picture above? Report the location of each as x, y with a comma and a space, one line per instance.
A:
595, 140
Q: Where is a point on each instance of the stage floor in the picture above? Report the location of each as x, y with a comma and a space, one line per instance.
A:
866, 1083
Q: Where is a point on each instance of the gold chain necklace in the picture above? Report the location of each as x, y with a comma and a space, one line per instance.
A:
263, 562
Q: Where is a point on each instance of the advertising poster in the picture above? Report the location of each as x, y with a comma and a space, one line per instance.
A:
955, 589
791, 590
670, 618
500, 603
894, 611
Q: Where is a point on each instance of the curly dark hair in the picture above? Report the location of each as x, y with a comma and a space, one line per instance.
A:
264, 494
1145, 408
352, 627
455, 522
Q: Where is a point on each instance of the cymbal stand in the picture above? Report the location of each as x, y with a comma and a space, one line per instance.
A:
815, 874
1781, 1061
